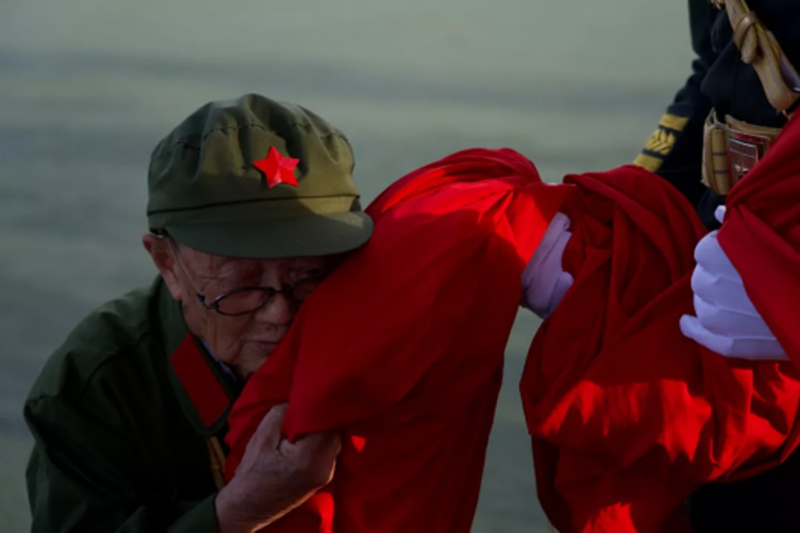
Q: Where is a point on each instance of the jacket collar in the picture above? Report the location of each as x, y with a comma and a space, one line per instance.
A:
203, 390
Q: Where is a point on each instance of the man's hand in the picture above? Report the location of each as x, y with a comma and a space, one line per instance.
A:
275, 475
727, 322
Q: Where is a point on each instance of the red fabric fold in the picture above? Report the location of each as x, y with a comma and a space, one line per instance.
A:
402, 347
627, 416
761, 236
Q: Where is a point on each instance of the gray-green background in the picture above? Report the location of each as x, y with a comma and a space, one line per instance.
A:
88, 87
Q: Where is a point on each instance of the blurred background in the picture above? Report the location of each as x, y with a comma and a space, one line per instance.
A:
87, 88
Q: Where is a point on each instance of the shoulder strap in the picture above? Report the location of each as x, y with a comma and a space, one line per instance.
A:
760, 49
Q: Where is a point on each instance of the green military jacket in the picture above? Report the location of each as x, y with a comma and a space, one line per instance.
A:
124, 416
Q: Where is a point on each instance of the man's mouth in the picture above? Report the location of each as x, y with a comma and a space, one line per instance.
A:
265, 345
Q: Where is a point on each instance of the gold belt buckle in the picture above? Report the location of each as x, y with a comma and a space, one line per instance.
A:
744, 151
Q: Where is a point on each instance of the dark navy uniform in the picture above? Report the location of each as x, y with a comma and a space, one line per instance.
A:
722, 81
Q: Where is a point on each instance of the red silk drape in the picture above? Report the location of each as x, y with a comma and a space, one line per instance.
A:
761, 236
401, 349
627, 416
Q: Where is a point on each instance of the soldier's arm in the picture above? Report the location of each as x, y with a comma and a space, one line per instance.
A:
674, 151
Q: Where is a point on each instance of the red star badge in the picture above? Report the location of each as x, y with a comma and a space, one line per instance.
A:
277, 168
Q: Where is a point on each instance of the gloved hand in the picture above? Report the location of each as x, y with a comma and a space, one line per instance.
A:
544, 282
727, 322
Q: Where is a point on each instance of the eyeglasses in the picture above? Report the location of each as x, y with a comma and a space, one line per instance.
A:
245, 300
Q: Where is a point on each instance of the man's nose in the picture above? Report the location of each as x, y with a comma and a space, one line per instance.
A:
279, 310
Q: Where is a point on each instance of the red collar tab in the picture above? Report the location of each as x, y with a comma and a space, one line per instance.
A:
201, 385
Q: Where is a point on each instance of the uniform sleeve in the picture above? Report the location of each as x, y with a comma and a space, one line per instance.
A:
85, 474
674, 150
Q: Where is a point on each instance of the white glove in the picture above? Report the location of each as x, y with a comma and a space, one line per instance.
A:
727, 322
544, 281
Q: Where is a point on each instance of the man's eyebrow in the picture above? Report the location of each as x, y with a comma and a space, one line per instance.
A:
231, 272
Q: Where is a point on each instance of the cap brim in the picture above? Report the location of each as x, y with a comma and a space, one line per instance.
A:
301, 236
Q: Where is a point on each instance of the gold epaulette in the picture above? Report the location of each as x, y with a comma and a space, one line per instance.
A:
661, 142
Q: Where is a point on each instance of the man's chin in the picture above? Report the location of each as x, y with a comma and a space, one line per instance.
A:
257, 353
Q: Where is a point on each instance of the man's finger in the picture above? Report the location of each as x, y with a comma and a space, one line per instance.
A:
269, 430
328, 443
319, 449
751, 348
691, 328
714, 285
313, 456
730, 320
709, 255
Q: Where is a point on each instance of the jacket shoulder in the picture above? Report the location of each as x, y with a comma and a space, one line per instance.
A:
114, 331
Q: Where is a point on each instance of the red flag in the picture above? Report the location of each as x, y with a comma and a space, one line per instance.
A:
627, 416
761, 236
402, 347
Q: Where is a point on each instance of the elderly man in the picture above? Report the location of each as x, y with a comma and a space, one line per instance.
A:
250, 204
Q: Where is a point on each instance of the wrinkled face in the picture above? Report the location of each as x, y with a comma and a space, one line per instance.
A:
243, 342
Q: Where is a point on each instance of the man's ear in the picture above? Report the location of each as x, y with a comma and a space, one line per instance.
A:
160, 252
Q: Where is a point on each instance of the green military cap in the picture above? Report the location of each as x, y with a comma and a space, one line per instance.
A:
256, 178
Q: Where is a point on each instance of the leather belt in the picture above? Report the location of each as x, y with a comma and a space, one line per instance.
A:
731, 149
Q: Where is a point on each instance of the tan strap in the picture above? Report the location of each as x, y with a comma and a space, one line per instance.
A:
217, 459
740, 31
746, 128
760, 49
